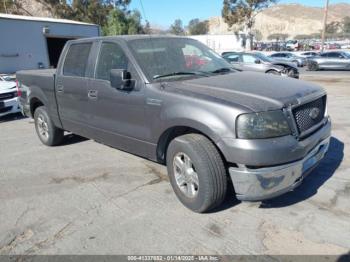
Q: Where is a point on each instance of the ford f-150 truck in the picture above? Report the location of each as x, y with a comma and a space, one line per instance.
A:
209, 124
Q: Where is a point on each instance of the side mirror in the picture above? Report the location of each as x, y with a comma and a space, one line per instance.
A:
121, 79
257, 61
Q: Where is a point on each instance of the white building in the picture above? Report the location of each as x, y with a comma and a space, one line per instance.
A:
222, 43
35, 42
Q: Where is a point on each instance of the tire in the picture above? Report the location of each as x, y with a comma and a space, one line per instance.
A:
206, 168
313, 66
273, 72
47, 132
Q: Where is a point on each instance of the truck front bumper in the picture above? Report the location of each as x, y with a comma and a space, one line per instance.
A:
265, 183
9, 106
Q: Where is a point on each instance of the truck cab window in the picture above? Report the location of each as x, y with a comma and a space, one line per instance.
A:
111, 56
77, 60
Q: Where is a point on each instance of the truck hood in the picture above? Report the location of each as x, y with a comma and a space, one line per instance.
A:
6, 87
255, 91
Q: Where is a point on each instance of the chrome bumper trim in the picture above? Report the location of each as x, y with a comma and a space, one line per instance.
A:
268, 182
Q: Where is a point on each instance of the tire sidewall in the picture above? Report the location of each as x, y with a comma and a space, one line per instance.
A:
198, 202
41, 111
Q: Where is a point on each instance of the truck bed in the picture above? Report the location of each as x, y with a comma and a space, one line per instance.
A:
40, 84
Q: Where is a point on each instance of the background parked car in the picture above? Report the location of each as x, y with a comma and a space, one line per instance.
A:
330, 60
249, 62
8, 96
8, 78
258, 62
292, 45
290, 57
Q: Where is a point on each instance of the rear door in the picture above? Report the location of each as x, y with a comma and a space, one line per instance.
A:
249, 63
333, 60
71, 87
116, 116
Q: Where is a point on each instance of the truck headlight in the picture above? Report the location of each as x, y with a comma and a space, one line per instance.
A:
262, 125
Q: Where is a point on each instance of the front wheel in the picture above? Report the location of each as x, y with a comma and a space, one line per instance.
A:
47, 132
313, 66
197, 172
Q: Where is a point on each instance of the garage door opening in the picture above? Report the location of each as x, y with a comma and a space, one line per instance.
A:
55, 46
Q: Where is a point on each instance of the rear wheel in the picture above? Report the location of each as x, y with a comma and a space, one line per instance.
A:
47, 132
197, 172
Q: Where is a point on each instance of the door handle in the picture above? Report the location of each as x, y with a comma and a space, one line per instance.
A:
92, 94
60, 88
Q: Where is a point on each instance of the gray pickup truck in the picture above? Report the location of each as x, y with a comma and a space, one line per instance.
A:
175, 101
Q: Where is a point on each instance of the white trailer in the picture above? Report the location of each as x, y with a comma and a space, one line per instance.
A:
222, 43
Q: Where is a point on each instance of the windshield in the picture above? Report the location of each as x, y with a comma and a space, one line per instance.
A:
176, 57
263, 57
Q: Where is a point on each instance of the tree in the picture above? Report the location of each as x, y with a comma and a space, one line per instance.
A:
302, 37
346, 25
147, 28
120, 22
197, 27
257, 35
315, 35
332, 28
177, 28
243, 13
134, 23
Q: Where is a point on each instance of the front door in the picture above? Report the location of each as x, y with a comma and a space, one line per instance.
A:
117, 116
70, 87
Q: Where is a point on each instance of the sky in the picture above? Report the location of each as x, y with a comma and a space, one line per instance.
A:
162, 13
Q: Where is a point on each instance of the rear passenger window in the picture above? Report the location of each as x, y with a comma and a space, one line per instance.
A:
76, 60
335, 55
111, 57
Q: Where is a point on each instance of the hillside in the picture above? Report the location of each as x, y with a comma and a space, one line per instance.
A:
291, 19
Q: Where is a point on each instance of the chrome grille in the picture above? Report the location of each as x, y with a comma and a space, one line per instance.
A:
310, 114
6, 96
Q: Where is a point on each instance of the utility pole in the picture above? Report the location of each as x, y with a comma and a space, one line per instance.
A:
324, 25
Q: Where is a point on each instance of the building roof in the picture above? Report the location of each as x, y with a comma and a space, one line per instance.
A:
43, 19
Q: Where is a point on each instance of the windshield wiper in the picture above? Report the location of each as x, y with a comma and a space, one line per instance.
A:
222, 70
181, 73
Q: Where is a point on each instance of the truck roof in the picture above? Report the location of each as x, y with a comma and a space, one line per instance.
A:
128, 37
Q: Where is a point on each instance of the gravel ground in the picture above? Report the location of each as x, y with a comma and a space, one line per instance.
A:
87, 198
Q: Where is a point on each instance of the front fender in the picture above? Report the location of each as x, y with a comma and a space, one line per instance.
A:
211, 121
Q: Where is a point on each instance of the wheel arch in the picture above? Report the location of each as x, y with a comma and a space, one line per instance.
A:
271, 70
34, 103
175, 131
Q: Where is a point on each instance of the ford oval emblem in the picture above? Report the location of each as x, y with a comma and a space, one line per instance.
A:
314, 113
